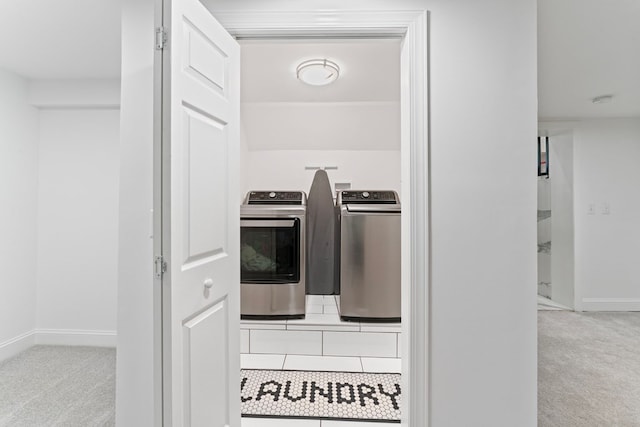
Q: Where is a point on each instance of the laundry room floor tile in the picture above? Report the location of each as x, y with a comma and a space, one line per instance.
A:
315, 309
327, 423
323, 363
279, 422
286, 342
244, 341
261, 361
330, 309
366, 344
329, 300
263, 324
381, 327
324, 322
378, 364
315, 300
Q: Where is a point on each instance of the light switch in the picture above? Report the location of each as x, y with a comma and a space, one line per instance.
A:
591, 209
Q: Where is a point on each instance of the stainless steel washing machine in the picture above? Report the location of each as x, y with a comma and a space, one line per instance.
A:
273, 255
369, 242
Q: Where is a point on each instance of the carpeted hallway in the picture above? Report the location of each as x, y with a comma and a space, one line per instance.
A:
59, 386
588, 369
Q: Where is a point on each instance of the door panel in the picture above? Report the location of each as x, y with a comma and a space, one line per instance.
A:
205, 163
205, 365
201, 219
204, 60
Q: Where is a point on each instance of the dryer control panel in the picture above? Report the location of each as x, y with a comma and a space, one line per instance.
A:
275, 198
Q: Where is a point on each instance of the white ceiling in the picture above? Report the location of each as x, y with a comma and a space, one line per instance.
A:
359, 111
586, 48
60, 39
369, 70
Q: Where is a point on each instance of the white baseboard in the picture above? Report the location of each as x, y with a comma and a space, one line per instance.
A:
75, 337
610, 304
16, 345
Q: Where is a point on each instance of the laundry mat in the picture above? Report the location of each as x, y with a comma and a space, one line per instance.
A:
321, 395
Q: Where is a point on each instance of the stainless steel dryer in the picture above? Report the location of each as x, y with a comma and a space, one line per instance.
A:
273, 255
369, 242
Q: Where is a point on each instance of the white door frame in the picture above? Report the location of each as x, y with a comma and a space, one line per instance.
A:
412, 26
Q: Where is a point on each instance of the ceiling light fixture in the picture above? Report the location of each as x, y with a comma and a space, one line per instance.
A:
603, 99
318, 72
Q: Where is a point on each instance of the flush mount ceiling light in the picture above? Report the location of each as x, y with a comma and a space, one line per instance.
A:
318, 72
603, 99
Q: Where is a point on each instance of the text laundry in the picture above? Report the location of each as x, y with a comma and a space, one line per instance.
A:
338, 392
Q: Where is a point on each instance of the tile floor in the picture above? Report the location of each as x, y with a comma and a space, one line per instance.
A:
316, 363
321, 333
322, 317
320, 363
281, 422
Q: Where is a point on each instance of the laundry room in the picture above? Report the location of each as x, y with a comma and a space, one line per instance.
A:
350, 127
337, 133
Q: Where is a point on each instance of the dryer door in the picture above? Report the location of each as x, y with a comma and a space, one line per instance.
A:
270, 250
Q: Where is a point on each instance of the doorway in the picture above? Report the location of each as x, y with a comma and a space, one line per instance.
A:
350, 129
411, 27
556, 223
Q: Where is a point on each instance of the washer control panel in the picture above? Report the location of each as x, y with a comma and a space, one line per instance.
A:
275, 198
369, 197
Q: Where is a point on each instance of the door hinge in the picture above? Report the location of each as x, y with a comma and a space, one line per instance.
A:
160, 266
161, 38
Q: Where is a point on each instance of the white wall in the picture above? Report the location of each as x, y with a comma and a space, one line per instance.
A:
322, 125
285, 169
483, 119
80, 93
60, 244
18, 198
244, 159
562, 219
77, 226
138, 368
607, 245
483, 122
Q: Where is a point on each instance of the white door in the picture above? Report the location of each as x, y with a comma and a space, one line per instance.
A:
201, 219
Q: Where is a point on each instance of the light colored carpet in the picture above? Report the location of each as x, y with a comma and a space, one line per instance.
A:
588, 369
58, 386
547, 304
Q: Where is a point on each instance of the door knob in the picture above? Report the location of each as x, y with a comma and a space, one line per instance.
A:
208, 283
